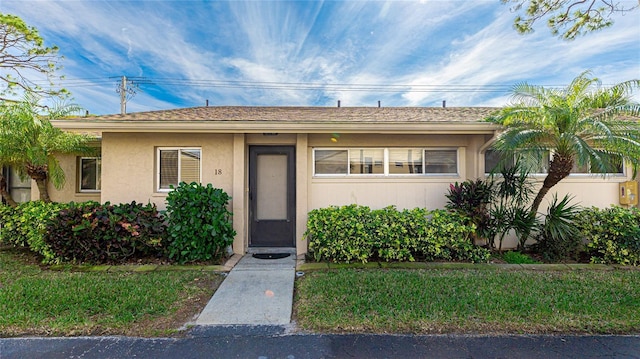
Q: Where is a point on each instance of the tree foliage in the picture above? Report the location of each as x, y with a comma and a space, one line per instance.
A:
584, 124
568, 19
25, 61
29, 142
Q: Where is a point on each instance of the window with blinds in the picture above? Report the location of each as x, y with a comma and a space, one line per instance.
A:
89, 174
385, 161
177, 165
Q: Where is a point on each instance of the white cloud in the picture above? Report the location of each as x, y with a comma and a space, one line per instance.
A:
440, 43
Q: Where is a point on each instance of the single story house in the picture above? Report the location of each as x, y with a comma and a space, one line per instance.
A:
278, 163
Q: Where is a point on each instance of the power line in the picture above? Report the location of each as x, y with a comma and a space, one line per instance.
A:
302, 86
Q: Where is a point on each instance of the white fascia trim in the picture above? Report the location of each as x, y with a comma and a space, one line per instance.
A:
253, 127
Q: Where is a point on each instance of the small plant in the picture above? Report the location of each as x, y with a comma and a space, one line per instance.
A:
199, 224
472, 199
558, 236
510, 208
515, 257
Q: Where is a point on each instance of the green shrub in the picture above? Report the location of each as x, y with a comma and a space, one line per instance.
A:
356, 233
95, 233
10, 229
26, 225
448, 236
558, 236
199, 224
340, 234
473, 199
35, 217
515, 257
612, 234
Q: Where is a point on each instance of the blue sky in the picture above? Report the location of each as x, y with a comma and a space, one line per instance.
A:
314, 53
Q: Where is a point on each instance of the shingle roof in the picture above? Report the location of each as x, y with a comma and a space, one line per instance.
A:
243, 119
305, 115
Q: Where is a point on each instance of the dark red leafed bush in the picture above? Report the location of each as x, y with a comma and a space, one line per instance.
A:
97, 233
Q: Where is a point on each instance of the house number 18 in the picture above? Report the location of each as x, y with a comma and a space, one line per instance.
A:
218, 171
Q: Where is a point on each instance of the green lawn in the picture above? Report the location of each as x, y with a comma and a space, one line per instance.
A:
469, 301
44, 302
37, 301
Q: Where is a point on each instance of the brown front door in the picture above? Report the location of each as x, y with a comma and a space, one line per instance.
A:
272, 196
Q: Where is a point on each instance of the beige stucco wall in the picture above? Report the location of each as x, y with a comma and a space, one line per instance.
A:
589, 190
129, 163
129, 173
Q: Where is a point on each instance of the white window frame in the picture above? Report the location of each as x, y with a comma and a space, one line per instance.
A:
313, 159
424, 158
98, 174
385, 158
157, 170
425, 151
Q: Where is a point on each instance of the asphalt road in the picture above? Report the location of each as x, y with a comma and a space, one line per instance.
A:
277, 342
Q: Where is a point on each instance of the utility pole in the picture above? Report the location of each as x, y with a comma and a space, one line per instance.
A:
123, 95
126, 89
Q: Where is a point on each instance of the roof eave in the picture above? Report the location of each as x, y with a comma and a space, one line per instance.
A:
279, 127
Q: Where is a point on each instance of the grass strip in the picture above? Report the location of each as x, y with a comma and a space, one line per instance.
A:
42, 302
468, 301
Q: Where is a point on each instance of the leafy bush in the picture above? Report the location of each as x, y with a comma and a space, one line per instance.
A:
612, 234
472, 199
340, 234
199, 224
26, 225
95, 233
356, 233
447, 236
558, 236
10, 229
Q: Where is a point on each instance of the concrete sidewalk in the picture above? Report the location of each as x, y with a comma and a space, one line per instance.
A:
255, 292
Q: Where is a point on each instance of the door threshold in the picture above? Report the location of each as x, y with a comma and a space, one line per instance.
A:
266, 250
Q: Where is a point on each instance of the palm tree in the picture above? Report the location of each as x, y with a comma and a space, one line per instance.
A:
29, 142
583, 124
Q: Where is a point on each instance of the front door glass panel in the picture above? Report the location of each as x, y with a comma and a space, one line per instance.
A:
271, 187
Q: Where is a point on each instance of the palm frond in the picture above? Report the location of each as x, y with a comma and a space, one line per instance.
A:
584, 123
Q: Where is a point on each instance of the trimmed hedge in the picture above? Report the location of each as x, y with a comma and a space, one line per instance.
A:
357, 233
612, 234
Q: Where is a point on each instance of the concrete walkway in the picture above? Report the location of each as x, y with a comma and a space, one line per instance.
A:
255, 292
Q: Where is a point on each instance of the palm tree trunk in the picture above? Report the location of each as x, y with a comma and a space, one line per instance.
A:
39, 174
42, 188
6, 194
559, 168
